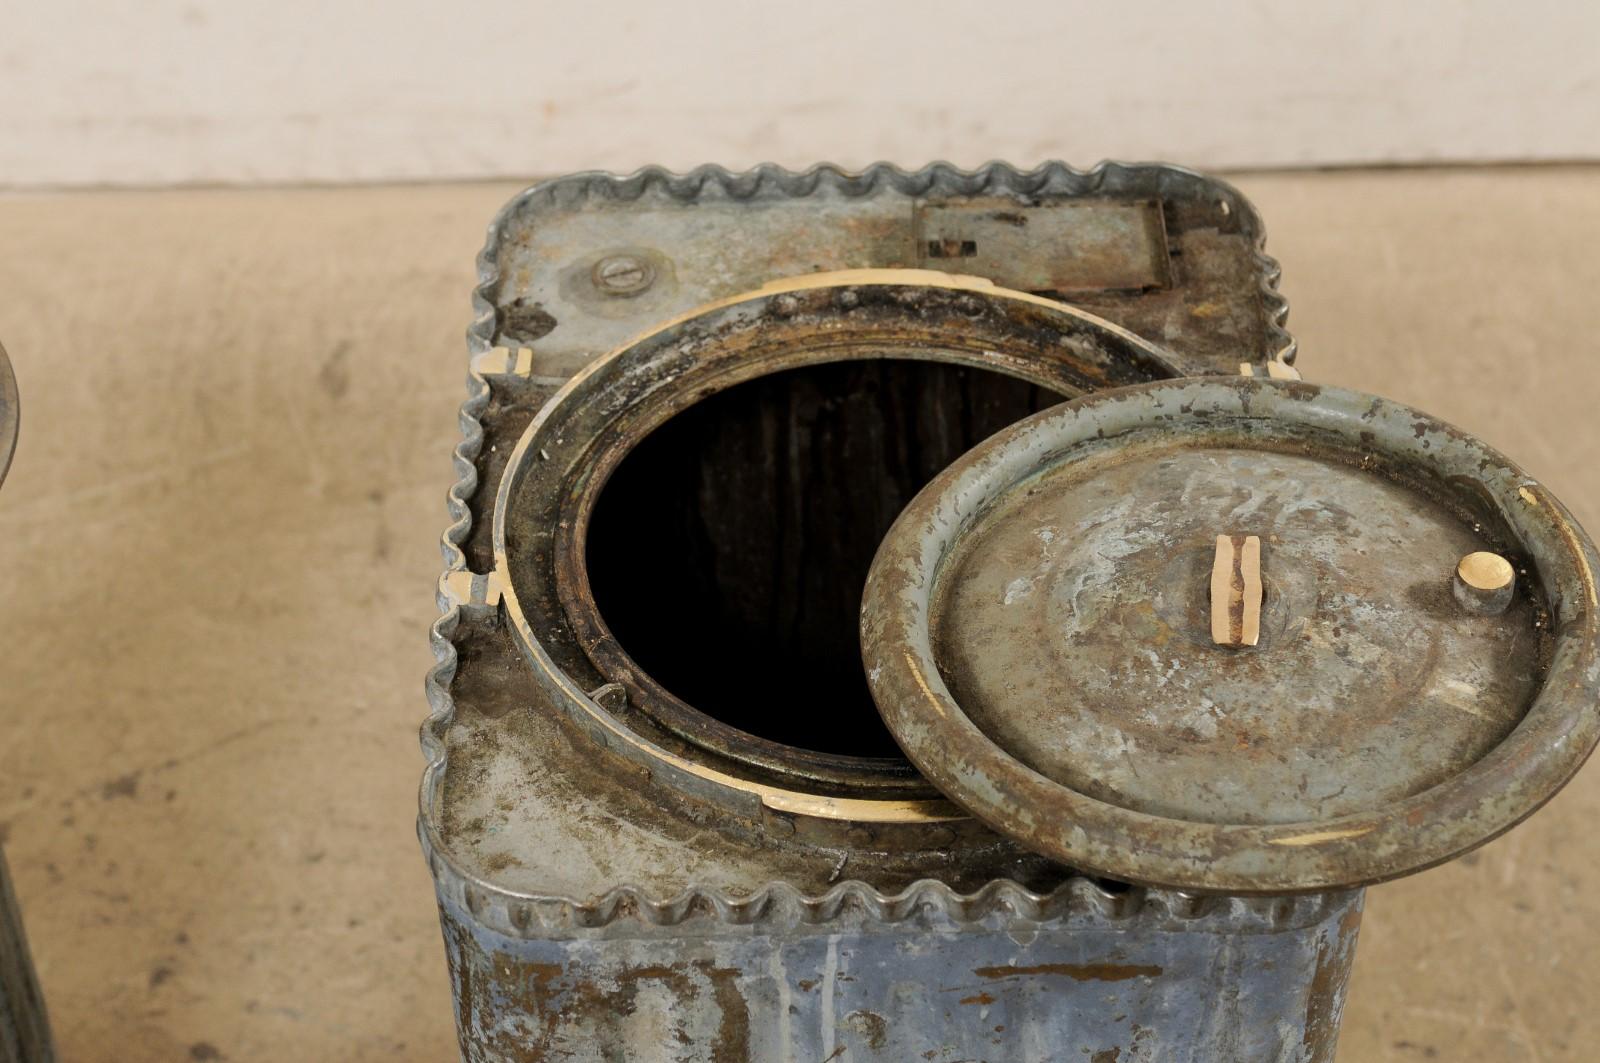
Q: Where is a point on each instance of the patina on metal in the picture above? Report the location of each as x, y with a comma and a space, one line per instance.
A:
24, 1028
1036, 633
1173, 256
620, 879
564, 460
1002, 975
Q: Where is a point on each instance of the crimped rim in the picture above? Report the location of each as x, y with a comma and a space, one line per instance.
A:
688, 187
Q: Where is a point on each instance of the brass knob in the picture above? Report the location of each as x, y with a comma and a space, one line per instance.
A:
1484, 583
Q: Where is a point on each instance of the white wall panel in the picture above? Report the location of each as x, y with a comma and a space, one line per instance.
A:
176, 91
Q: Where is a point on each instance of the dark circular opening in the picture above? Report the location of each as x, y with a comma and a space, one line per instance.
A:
729, 549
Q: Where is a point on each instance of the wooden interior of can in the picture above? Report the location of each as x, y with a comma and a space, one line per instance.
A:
728, 551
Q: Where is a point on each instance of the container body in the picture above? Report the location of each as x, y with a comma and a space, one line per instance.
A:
1093, 983
621, 881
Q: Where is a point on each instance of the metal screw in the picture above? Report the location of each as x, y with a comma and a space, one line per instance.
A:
848, 299
785, 305
1484, 583
623, 275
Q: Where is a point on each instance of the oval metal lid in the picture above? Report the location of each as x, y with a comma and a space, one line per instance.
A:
1037, 634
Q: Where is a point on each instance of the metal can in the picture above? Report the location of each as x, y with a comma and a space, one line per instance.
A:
24, 1028
664, 815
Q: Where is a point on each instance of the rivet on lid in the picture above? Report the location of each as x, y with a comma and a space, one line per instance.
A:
1484, 583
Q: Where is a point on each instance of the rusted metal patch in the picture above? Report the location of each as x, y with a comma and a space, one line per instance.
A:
1057, 989
1106, 245
1178, 257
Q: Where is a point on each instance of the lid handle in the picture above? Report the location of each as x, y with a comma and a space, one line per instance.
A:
1236, 591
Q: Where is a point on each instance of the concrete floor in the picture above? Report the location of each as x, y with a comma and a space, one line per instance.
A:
217, 558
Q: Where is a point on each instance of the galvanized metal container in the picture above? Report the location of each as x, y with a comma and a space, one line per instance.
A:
664, 818
24, 1029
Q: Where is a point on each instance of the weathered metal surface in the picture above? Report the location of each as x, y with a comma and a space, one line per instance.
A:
24, 1029
598, 903
1102, 244
1076, 974
1173, 256
554, 477
532, 806
1035, 634
1071, 626
562, 845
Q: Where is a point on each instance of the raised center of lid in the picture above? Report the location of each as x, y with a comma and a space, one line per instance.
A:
1076, 627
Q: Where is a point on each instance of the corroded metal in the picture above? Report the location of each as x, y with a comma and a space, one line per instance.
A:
612, 888
921, 976
1035, 633
565, 458
1172, 255
24, 1029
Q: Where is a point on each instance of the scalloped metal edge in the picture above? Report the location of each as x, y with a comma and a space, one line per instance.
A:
532, 915
992, 177
780, 904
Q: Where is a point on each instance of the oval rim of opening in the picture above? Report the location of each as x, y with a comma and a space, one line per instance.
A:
762, 311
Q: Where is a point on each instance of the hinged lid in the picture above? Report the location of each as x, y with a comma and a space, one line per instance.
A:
1238, 635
